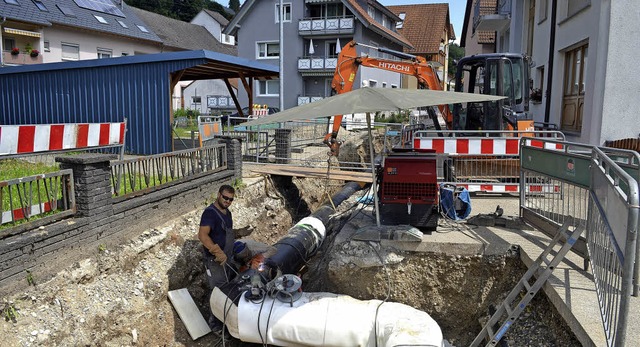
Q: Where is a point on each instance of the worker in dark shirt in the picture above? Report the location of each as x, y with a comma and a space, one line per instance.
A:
216, 236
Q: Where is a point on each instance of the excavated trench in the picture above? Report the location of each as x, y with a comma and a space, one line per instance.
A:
456, 291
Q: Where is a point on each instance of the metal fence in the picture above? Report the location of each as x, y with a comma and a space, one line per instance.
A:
304, 143
39, 195
612, 240
557, 179
140, 175
482, 161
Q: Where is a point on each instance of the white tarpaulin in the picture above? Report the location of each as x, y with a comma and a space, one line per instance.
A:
365, 100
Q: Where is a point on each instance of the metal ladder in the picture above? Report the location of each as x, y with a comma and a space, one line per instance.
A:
568, 238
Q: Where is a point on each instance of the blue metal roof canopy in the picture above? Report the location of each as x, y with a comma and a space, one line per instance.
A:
108, 90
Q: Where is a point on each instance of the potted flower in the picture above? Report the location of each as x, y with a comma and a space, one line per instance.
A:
536, 95
15, 51
34, 53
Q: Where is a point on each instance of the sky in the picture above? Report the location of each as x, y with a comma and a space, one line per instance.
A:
456, 10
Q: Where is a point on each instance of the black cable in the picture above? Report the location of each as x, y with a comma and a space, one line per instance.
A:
270, 312
226, 311
260, 313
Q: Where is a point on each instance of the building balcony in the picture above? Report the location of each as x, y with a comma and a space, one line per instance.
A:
326, 26
23, 58
489, 17
307, 99
316, 65
220, 102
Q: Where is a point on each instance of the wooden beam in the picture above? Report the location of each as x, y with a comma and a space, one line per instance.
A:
233, 96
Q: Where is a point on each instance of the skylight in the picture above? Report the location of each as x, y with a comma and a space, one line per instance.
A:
66, 11
40, 5
101, 19
142, 28
104, 6
122, 24
12, 2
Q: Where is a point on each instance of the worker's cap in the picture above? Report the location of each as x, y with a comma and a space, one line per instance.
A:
239, 246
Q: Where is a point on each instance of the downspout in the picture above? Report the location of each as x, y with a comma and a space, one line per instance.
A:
552, 44
4, 19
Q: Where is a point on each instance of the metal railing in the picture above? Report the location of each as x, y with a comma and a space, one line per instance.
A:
45, 194
324, 25
144, 174
563, 168
612, 228
481, 161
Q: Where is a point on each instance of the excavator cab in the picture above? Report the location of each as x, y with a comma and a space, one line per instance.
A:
505, 74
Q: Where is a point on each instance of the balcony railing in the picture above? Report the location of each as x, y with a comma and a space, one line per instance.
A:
20, 59
491, 18
323, 26
307, 99
220, 102
317, 64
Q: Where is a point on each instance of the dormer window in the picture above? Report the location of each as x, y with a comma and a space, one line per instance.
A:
399, 24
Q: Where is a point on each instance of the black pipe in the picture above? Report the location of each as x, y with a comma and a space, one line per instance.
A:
294, 249
552, 44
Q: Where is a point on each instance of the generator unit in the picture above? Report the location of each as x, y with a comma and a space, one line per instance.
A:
409, 189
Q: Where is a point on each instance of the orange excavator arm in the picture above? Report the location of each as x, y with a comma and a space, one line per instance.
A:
348, 64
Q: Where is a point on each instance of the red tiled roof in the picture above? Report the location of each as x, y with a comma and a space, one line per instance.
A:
424, 26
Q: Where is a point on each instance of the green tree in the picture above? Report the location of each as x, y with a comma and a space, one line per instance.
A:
216, 7
455, 53
185, 10
234, 5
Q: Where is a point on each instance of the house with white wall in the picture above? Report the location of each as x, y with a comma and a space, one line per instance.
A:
582, 58
44, 31
214, 22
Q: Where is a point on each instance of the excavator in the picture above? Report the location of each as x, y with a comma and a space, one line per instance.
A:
505, 74
348, 64
410, 177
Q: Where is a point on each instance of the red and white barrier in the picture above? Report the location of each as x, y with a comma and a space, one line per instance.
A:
19, 214
510, 188
460, 148
25, 139
479, 146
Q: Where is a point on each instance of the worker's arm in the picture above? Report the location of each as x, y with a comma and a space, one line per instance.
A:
203, 236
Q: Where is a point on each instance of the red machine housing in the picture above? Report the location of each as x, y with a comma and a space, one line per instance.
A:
409, 189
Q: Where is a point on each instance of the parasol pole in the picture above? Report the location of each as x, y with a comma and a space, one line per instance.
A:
373, 172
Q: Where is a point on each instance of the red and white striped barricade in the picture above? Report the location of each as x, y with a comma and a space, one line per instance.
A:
20, 140
483, 164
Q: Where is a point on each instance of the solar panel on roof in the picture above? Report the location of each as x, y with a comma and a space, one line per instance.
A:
104, 6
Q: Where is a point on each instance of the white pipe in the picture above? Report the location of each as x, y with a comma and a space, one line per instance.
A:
326, 319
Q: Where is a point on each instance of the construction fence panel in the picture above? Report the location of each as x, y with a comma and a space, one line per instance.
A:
565, 167
612, 227
483, 161
208, 128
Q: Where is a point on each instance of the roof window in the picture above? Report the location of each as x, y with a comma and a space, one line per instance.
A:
40, 5
101, 19
142, 28
66, 11
12, 2
123, 24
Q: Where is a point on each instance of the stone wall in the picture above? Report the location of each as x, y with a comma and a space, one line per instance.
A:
101, 219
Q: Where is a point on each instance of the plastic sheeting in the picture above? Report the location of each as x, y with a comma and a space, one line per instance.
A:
455, 202
325, 319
